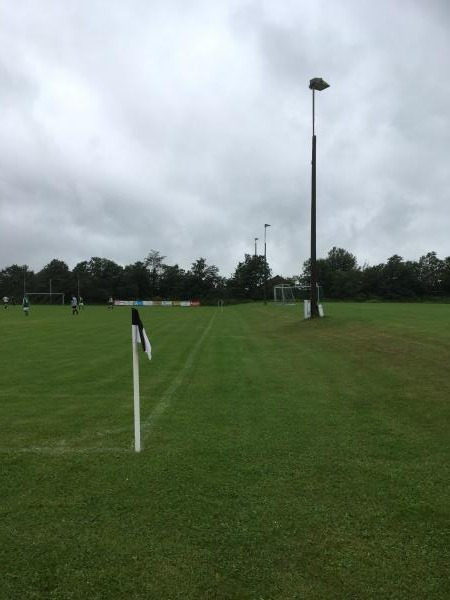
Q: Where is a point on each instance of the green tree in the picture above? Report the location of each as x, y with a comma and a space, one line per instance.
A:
324, 274
202, 279
341, 260
445, 283
338, 274
430, 271
105, 276
173, 282
372, 278
56, 277
154, 264
249, 277
14, 279
135, 282
400, 279
83, 280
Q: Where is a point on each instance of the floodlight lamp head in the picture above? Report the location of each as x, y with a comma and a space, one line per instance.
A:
266, 225
318, 84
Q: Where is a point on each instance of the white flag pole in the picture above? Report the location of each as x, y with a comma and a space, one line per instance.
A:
137, 412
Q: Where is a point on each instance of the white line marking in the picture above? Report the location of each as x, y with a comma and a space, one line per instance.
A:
176, 383
63, 450
146, 426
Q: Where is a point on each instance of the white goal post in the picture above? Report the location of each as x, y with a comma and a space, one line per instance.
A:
46, 297
285, 293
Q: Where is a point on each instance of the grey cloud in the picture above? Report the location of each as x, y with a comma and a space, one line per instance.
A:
187, 126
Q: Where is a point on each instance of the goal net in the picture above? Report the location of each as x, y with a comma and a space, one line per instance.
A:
293, 294
45, 297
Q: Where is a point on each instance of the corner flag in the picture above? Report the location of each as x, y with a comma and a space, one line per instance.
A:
138, 333
138, 336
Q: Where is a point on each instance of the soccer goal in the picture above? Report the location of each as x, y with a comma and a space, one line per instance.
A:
46, 297
283, 294
293, 294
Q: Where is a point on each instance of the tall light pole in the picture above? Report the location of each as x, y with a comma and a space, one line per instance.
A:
51, 291
266, 225
256, 247
315, 84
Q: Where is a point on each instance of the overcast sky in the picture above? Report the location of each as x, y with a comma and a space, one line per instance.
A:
185, 125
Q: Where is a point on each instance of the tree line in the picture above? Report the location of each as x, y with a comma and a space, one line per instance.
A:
397, 279
152, 278
97, 279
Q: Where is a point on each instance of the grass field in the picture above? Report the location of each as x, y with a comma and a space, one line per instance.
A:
281, 459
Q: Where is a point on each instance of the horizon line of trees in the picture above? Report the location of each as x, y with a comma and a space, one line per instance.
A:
397, 279
339, 275
97, 279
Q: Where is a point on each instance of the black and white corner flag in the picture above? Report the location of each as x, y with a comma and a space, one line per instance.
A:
138, 333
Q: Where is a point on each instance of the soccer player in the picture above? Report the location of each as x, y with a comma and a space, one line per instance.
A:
5, 301
25, 305
80, 303
74, 305
110, 303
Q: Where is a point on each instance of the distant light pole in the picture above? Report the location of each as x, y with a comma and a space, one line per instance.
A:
315, 84
266, 225
256, 247
51, 292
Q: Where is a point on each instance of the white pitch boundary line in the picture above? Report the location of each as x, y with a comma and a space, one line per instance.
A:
166, 399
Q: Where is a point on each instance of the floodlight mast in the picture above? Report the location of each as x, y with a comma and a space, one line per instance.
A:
315, 84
